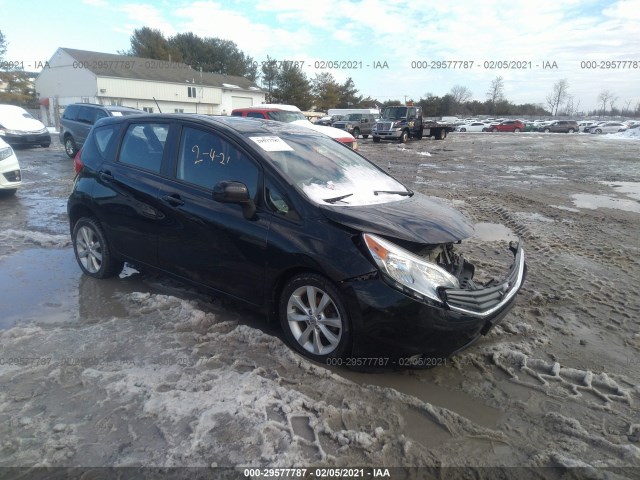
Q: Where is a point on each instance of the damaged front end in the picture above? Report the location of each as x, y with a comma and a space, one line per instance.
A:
439, 274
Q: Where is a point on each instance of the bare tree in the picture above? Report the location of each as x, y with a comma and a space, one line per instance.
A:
460, 94
496, 92
612, 101
604, 98
558, 96
628, 107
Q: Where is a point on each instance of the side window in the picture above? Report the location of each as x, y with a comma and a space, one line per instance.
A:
70, 112
236, 114
205, 159
255, 115
98, 114
86, 115
100, 145
143, 145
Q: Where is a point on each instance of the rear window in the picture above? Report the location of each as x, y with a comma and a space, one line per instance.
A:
100, 145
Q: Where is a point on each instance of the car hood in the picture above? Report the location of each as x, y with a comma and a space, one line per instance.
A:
418, 219
20, 123
330, 131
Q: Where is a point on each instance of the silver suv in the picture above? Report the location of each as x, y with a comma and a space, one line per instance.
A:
357, 124
78, 118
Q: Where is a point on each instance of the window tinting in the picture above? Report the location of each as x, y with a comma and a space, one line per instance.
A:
86, 115
255, 115
70, 112
206, 159
100, 145
143, 145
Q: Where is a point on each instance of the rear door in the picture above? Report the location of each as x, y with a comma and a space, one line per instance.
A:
205, 241
128, 197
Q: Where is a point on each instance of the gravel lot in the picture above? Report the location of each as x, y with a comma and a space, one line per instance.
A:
142, 371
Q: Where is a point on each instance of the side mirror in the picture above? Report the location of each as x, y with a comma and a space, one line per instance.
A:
235, 192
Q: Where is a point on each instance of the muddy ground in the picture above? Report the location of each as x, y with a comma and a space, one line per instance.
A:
141, 371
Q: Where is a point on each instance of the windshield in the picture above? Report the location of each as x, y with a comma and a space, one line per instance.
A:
394, 113
286, 116
329, 173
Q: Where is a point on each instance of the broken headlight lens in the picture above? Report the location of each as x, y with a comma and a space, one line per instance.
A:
408, 269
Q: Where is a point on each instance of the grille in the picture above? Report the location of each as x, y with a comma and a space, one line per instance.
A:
484, 301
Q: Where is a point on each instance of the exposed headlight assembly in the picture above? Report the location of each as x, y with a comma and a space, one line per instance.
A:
420, 277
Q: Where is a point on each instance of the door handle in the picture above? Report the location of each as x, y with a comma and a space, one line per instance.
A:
106, 175
174, 200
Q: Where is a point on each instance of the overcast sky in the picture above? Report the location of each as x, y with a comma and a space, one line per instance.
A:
368, 33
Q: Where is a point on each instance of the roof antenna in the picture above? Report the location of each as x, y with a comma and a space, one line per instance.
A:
154, 99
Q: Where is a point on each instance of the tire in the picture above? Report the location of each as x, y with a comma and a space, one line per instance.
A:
70, 146
546, 130
441, 135
404, 137
356, 132
571, 130
317, 334
92, 250
463, 129
598, 130
45, 145
516, 130
494, 130
365, 136
376, 139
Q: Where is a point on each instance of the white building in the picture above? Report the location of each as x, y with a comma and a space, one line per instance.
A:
152, 85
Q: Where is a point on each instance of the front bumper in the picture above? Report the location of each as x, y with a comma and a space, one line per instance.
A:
10, 175
388, 323
387, 133
24, 139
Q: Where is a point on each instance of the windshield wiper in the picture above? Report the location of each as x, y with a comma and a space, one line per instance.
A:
336, 199
405, 193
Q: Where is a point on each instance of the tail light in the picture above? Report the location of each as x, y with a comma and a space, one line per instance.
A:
77, 162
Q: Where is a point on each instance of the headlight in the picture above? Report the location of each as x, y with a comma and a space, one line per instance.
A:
407, 269
5, 152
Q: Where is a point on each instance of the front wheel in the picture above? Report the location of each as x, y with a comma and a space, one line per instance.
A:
314, 319
464, 129
92, 250
516, 130
45, 145
365, 136
598, 130
546, 130
571, 130
356, 133
494, 130
404, 136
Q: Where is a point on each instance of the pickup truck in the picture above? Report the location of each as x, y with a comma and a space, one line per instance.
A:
405, 122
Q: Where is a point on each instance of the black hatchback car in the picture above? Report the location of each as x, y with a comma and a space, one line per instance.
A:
351, 262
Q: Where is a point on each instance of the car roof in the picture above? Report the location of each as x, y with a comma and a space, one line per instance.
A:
240, 125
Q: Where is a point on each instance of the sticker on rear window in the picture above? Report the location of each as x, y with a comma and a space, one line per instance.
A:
272, 144
116, 114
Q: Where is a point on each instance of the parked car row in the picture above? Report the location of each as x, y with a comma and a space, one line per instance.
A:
548, 126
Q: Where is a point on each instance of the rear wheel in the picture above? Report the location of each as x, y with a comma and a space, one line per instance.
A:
45, 145
70, 147
464, 129
598, 130
376, 139
92, 250
546, 130
365, 136
313, 317
571, 130
494, 130
516, 130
